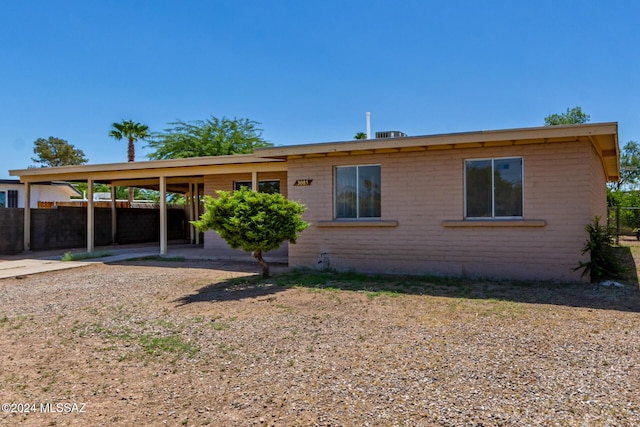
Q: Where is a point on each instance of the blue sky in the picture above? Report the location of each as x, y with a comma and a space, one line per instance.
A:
309, 70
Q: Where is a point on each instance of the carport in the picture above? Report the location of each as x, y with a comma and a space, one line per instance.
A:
181, 176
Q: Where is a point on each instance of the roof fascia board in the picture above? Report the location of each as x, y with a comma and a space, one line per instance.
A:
453, 139
153, 164
120, 175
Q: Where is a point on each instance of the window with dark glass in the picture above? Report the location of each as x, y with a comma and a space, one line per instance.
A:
263, 186
357, 192
493, 188
12, 199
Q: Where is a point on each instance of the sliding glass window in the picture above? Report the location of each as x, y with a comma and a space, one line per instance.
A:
357, 192
493, 188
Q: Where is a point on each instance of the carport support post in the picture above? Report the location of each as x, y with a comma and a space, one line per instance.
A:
27, 217
163, 215
192, 214
196, 201
114, 214
90, 217
254, 180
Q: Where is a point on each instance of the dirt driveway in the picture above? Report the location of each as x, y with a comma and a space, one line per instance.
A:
176, 343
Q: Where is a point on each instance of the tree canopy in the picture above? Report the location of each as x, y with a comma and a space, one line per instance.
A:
256, 222
57, 152
121, 192
629, 165
210, 137
573, 116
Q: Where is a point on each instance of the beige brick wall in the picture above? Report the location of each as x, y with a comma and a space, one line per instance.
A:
564, 185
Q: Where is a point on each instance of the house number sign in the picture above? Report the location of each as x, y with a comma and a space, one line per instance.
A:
302, 182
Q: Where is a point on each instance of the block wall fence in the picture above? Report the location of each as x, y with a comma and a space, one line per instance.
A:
66, 227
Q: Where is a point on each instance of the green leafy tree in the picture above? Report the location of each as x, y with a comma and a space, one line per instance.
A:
256, 222
210, 137
132, 132
57, 152
629, 166
360, 135
573, 116
624, 193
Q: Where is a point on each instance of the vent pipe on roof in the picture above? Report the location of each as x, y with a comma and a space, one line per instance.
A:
368, 125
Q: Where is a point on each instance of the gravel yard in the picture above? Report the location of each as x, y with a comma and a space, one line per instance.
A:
191, 343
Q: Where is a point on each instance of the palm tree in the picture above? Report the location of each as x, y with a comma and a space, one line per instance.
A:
360, 135
133, 132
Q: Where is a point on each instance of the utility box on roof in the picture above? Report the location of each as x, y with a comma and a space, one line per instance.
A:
390, 134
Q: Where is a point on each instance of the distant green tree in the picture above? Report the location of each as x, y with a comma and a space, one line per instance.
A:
629, 166
360, 135
624, 193
210, 137
121, 192
573, 116
256, 222
131, 132
54, 152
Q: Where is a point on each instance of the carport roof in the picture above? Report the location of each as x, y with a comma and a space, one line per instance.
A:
145, 174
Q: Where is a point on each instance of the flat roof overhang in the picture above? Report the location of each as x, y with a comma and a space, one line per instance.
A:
179, 173
603, 137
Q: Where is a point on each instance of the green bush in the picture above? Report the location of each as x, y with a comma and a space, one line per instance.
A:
256, 222
603, 263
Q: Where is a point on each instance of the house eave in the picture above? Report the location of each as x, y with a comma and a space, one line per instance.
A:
603, 136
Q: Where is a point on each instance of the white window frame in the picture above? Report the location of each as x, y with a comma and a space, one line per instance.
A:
335, 194
493, 187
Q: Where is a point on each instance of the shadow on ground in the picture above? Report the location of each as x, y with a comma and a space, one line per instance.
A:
625, 298
596, 296
230, 290
180, 262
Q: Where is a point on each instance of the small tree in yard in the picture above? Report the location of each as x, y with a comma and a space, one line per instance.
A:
256, 222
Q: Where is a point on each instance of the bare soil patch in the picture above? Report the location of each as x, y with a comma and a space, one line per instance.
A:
189, 343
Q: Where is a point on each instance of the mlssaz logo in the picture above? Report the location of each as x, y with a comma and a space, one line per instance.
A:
66, 408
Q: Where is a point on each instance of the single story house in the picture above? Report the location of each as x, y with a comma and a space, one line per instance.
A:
504, 203
12, 193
